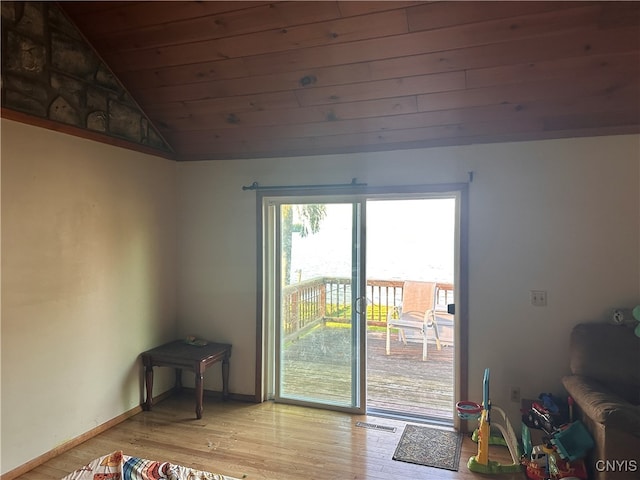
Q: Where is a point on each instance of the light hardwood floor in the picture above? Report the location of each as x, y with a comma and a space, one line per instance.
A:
260, 441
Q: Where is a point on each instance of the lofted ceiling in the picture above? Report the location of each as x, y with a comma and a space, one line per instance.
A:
227, 80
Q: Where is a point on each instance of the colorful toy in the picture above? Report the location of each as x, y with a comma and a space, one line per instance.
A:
636, 314
548, 413
624, 316
468, 410
494, 438
572, 441
549, 403
544, 464
566, 442
539, 417
480, 463
471, 411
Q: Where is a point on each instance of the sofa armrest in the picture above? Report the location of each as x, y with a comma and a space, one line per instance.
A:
602, 405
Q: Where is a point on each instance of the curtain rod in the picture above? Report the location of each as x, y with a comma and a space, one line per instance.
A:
256, 186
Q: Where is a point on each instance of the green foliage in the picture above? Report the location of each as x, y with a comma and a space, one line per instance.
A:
370, 328
311, 216
374, 312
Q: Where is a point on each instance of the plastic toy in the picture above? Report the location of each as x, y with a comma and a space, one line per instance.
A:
636, 314
471, 411
628, 317
539, 417
549, 403
546, 414
540, 456
468, 410
494, 438
572, 441
480, 463
566, 444
544, 463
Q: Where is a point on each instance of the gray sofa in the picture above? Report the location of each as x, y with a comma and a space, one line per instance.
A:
605, 384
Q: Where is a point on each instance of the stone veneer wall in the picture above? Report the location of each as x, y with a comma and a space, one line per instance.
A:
49, 71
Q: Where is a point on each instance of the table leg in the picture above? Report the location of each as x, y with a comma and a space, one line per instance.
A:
225, 379
199, 391
148, 371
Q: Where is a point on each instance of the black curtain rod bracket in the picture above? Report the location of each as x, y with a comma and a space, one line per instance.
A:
257, 186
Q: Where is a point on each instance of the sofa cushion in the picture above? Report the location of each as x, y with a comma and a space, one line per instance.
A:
609, 354
602, 405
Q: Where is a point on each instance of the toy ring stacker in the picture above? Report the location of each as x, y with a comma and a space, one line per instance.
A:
468, 410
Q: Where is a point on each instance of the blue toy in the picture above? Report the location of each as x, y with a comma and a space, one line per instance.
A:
549, 403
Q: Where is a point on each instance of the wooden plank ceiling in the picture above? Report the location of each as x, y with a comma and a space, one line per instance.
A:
227, 80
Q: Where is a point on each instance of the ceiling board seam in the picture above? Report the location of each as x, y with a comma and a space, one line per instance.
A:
418, 38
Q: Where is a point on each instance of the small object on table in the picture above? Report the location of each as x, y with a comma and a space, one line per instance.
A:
181, 354
198, 342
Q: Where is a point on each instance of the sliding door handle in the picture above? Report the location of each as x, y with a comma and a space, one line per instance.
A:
357, 304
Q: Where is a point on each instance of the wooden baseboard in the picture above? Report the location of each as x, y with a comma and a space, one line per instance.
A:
60, 449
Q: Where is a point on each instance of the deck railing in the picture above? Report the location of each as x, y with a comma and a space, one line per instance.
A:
323, 299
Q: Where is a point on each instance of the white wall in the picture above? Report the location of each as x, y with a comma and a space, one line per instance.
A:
89, 263
561, 216
88, 282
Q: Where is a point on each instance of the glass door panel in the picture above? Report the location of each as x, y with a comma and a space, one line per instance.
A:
318, 325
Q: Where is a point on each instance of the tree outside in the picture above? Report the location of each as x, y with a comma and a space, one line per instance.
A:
308, 220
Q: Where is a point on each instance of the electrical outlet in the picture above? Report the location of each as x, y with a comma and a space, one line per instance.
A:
514, 394
538, 298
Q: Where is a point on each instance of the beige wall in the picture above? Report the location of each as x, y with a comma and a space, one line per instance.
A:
559, 215
88, 282
90, 272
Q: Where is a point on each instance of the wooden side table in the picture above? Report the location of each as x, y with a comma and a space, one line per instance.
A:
179, 354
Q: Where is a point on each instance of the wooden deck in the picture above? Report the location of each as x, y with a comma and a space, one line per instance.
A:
318, 365
402, 382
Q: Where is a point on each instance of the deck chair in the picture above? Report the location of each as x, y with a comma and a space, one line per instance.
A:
417, 313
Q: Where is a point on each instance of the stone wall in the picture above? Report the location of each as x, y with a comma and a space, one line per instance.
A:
49, 71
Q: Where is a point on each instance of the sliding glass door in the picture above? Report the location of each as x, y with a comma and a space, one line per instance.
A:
318, 281
315, 296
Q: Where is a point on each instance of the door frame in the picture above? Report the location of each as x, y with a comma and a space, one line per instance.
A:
460, 190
